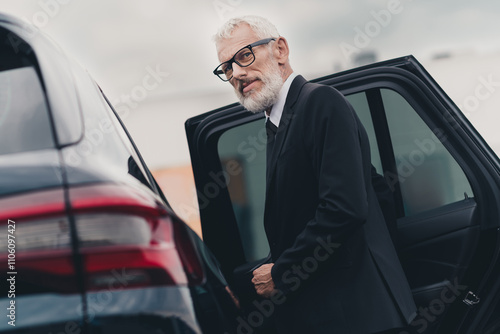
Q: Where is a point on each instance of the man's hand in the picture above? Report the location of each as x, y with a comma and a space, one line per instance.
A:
263, 281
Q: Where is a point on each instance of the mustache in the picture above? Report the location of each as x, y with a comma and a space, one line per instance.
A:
241, 82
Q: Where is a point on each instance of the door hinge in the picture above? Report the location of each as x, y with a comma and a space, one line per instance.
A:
471, 299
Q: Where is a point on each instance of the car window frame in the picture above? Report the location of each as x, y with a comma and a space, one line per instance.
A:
407, 88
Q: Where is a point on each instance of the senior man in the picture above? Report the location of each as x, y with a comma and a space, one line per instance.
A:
319, 193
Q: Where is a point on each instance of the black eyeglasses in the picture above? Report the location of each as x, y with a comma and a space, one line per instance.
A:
244, 57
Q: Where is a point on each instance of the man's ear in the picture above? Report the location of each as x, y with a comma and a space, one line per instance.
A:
281, 50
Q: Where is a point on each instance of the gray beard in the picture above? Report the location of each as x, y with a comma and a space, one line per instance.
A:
267, 96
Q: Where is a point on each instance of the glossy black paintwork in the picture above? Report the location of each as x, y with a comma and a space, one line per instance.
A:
92, 146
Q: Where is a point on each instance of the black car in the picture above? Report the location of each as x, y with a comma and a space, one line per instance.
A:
444, 178
90, 244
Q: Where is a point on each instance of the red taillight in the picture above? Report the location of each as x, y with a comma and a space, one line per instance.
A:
32, 206
43, 257
144, 252
125, 240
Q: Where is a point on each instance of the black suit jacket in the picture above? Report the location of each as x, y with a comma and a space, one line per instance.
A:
334, 260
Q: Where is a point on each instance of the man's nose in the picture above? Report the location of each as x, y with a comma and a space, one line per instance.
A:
238, 71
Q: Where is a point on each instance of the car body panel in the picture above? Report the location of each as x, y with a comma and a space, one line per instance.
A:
49, 311
17, 171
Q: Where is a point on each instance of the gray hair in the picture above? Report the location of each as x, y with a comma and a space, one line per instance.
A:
259, 25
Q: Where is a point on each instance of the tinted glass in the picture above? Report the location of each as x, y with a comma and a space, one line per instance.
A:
242, 151
428, 174
24, 116
360, 105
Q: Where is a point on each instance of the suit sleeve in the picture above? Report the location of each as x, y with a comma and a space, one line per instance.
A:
330, 134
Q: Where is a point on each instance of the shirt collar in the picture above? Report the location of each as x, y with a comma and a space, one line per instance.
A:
277, 109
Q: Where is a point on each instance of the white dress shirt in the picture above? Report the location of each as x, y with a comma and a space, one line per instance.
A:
277, 109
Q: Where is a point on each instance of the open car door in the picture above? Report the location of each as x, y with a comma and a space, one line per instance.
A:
444, 178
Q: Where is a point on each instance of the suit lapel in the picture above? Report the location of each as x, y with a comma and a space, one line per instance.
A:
286, 119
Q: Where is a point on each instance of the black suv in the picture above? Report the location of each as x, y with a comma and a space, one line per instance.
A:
88, 242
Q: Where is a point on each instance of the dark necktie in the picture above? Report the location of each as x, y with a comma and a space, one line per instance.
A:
271, 134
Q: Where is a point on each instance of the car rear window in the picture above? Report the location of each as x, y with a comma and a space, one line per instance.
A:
24, 117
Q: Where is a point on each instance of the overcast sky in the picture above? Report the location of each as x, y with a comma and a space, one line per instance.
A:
120, 41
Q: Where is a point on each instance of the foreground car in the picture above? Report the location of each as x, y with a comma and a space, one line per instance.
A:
88, 242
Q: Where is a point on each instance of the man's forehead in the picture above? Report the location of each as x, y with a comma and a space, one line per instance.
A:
240, 37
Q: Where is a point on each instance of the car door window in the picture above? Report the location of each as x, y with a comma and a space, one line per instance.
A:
359, 102
242, 151
428, 175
